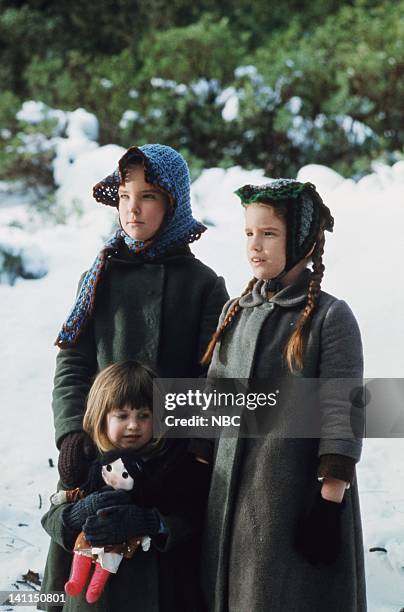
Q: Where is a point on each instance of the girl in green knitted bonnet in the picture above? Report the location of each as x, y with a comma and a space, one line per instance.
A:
284, 527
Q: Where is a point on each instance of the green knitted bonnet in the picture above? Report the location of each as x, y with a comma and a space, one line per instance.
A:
306, 213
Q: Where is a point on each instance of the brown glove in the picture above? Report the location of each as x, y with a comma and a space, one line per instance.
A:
75, 457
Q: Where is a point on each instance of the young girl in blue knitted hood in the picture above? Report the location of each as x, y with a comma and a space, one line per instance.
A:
145, 298
283, 523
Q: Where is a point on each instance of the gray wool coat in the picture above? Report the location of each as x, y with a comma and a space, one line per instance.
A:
260, 486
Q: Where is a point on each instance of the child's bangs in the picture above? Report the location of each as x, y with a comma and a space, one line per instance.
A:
134, 391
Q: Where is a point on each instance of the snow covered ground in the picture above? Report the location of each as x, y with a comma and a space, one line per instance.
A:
362, 260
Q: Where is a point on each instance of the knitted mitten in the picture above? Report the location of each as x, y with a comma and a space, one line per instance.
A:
75, 515
76, 454
318, 535
117, 524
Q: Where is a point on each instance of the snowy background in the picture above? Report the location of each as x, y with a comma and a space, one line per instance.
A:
362, 260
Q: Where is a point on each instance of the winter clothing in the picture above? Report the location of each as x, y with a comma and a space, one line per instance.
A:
76, 454
167, 169
108, 555
165, 578
161, 313
305, 212
117, 523
75, 515
260, 486
318, 534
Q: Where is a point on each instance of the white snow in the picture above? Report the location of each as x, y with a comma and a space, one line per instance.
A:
127, 118
362, 259
82, 133
245, 71
229, 98
15, 242
162, 83
106, 83
35, 112
356, 131
202, 88
295, 104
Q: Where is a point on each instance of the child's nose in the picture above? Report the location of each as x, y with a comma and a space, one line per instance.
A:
134, 205
255, 244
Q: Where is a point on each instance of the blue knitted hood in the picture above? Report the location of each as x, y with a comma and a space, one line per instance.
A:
166, 169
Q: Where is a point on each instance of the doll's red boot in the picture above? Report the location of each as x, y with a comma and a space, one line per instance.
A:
80, 569
97, 583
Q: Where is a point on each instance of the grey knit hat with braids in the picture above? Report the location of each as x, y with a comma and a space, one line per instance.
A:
306, 213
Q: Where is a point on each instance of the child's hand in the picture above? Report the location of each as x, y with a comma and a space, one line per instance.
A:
117, 524
318, 535
333, 489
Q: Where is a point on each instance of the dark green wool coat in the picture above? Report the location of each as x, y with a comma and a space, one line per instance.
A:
162, 313
260, 486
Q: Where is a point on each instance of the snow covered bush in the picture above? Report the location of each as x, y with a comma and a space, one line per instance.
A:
19, 259
27, 151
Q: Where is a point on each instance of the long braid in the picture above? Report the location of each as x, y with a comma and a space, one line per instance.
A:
229, 318
294, 351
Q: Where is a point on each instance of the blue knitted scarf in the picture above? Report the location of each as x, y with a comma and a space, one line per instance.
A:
83, 308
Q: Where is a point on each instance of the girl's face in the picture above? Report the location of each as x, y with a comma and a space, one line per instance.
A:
142, 206
130, 427
266, 241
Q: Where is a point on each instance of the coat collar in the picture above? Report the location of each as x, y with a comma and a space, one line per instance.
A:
288, 296
123, 255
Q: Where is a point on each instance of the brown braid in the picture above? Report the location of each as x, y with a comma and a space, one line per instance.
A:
206, 359
294, 350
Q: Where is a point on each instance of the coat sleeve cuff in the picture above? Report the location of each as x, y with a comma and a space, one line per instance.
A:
70, 425
337, 466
